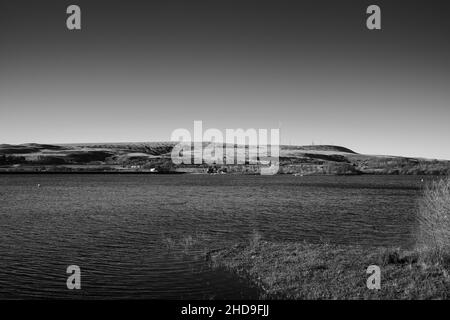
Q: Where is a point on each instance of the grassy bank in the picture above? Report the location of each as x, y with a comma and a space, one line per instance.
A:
324, 271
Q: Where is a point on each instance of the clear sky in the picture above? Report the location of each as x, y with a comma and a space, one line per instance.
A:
140, 69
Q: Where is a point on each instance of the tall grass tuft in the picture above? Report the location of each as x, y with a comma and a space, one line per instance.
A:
255, 239
434, 217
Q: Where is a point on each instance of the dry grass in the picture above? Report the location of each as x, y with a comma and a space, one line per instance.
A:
324, 271
434, 218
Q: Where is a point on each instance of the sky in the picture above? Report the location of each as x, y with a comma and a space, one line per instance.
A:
138, 70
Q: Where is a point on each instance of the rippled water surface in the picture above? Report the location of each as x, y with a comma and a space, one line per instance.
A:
119, 228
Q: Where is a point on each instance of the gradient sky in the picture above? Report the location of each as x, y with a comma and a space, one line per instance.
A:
140, 69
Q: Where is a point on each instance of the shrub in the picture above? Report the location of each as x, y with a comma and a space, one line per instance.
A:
434, 217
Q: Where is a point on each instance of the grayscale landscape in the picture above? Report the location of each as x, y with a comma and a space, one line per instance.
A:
94, 204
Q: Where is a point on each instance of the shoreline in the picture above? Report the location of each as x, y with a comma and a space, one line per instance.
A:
12, 172
88, 172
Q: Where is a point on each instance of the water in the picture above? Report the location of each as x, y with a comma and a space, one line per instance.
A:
117, 227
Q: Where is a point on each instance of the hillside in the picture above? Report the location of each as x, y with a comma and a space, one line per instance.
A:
155, 157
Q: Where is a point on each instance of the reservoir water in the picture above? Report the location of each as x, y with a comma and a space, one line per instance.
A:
119, 228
